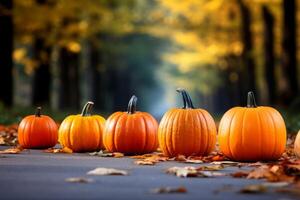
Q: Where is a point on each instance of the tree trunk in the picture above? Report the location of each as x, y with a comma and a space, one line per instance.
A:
6, 49
69, 95
289, 61
247, 56
42, 76
269, 54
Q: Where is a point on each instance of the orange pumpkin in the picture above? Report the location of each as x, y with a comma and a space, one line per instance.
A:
252, 133
297, 145
187, 131
82, 133
37, 131
131, 132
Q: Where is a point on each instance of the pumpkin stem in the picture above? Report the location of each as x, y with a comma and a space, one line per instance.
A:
86, 108
251, 100
132, 105
38, 111
187, 101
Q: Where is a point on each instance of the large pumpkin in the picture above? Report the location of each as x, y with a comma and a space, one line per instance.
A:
252, 133
82, 133
187, 131
131, 132
37, 131
297, 145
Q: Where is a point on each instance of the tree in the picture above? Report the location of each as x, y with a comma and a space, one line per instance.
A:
289, 60
269, 65
247, 53
6, 49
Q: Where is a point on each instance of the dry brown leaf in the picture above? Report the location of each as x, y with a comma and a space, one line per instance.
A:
79, 180
293, 191
276, 184
100, 171
165, 190
63, 150
253, 189
144, 162
118, 155
225, 163
261, 172
210, 167
192, 172
14, 150
240, 174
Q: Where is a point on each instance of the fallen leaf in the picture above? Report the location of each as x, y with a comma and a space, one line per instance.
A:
102, 153
165, 190
210, 167
186, 172
192, 172
144, 162
55, 150
118, 155
79, 180
192, 161
261, 172
293, 191
253, 189
276, 184
107, 171
240, 174
225, 163
14, 150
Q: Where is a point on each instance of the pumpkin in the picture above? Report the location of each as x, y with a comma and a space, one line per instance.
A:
186, 131
37, 131
252, 133
131, 132
82, 132
297, 145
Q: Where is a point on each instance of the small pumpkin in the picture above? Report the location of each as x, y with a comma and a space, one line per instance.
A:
131, 132
187, 131
252, 133
297, 145
82, 132
37, 131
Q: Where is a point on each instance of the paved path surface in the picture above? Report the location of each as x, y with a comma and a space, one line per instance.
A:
37, 175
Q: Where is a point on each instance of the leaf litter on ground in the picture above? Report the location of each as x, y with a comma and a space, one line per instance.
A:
101, 171
166, 190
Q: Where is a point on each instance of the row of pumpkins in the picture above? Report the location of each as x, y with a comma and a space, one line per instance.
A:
248, 133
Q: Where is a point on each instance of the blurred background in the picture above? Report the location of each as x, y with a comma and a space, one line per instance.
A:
61, 53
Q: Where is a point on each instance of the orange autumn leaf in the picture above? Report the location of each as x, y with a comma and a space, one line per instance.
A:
14, 150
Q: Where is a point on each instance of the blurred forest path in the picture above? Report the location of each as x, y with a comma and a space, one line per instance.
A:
60, 54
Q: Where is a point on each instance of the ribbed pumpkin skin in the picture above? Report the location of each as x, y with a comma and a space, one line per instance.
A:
131, 133
82, 133
297, 145
37, 132
252, 134
187, 132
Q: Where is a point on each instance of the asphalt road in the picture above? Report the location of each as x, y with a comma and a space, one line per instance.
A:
37, 175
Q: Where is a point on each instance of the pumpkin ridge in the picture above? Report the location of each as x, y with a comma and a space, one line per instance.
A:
228, 140
48, 132
161, 136
242, 147
275, 131
261, 137
206, 131
166, 132
173, 132
169, 132
106, 136
211, 138
146, 136
201, 138
117, 133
